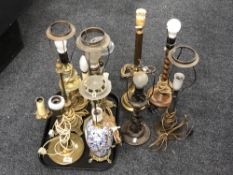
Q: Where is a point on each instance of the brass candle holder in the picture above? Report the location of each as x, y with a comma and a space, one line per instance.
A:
128, 69
42, 112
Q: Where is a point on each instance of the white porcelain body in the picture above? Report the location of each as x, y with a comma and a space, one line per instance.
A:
99, 139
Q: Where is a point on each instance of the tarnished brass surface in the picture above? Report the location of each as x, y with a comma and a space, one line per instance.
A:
124, 98
75, 118
133, 138
64, 36
71, 81
92, 46
170, 128
41, 111
71, 78
45, 117
183, 64
140, 22
67, 157
100, 159
125, 102
158, 99
127, 70
77, 101
162, 93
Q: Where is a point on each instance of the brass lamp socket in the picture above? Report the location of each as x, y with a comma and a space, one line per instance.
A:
42, 112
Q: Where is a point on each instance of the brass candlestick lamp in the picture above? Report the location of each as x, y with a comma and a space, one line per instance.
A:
161, 93
64, 146
135, 130
128, 69
60, 32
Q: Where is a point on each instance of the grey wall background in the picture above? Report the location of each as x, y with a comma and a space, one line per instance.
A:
207, 27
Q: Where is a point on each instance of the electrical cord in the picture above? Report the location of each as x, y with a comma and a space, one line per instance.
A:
106, 63
73, 50
194, 72
63, 130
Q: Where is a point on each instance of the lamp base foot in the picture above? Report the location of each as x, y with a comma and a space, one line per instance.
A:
132, 138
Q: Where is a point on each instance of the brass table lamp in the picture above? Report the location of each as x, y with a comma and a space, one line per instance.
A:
161, 93
100, 128
61, 32
64, 146
169, 127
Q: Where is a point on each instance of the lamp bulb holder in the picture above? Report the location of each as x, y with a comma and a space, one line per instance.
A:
84, 67
61, 46
178, 81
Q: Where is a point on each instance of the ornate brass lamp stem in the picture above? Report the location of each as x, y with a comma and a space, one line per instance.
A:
63, 87
131, 68
138, 46
166, 66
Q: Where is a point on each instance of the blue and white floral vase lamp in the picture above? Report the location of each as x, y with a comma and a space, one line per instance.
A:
100, 129
100, 132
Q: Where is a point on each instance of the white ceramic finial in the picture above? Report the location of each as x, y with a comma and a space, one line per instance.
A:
140, 79
178, 81
83, 64
173, 27
61, 46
